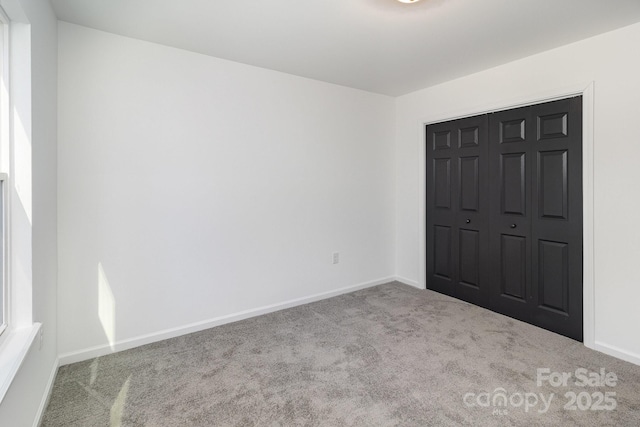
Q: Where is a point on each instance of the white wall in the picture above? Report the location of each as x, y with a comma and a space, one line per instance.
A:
34, 218
612, 62
192, 188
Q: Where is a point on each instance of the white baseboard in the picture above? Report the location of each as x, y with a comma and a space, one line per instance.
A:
102, 350
617, 352
47, 394
409, 282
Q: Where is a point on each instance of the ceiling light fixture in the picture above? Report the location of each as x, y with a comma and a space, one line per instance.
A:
408, 1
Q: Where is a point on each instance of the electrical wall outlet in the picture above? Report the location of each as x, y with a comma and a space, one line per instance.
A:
336, 257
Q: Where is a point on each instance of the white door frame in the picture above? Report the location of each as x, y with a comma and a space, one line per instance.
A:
586, 90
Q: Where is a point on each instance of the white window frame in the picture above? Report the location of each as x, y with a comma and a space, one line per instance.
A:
4, 283
5, 135
20, 332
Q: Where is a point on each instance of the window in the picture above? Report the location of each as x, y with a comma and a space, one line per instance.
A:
4, 292
18, 330
4, 165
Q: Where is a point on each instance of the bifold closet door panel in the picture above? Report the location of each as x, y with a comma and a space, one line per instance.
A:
472, 221
535, 241
511, 134
557, 220
441, 212
457, 209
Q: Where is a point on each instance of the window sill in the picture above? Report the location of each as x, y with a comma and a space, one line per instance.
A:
13, 351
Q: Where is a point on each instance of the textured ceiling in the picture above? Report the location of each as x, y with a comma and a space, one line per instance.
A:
381, 46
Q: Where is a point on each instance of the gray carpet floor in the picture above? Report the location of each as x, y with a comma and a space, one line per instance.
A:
384, 356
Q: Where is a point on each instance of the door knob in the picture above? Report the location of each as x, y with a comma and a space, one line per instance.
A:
513, 226
468, 221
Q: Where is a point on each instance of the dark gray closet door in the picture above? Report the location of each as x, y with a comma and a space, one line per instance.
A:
504, 212
511, 140
536, 214
457, 209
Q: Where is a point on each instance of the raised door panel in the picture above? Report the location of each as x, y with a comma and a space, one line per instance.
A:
553, 197
441, 140
469, 183
442, 183
513, 267
513, 130
469, 256
553, 126
553, 276
513, 184
442, 261
469, 137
